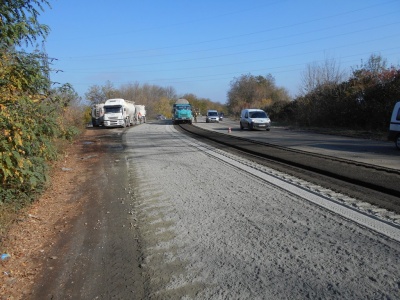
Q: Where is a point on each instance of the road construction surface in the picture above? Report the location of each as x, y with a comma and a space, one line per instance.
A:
178, 219
381, 153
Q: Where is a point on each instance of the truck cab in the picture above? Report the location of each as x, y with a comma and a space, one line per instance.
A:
394, 129
182, 112
119, 113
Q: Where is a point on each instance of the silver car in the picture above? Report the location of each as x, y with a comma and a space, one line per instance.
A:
212, 116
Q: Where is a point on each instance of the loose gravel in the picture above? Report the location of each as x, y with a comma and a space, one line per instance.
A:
212, 231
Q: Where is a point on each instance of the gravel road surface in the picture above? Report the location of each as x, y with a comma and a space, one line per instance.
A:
167, 217
209, 230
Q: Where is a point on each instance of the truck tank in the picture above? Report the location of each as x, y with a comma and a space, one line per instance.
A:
140, 115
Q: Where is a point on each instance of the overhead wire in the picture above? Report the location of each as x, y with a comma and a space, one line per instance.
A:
117, 55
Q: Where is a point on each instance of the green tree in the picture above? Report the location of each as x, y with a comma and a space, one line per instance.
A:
32, 116
19, 22
163, 107
249, 91
22, 74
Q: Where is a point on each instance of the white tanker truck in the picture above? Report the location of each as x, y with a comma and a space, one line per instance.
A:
140, 114
119, 113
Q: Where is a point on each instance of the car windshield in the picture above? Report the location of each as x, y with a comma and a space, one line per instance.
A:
212, 113
258, 114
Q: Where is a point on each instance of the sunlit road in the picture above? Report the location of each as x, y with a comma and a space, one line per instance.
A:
383, 153
212, 228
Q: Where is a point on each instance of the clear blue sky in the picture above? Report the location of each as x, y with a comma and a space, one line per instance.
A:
199, 47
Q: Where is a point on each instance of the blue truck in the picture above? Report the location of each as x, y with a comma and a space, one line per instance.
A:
182, 112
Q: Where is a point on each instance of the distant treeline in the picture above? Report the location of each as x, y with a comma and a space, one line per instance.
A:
157, 99
362, 101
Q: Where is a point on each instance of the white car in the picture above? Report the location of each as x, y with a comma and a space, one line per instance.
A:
254, 119
394, 129
212, 116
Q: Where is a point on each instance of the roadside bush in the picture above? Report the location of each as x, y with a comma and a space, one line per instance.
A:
32, 115
26, 144
31, 136
72, 122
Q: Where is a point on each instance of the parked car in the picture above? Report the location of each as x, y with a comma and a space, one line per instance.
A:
394, 129
254, 119
161, 117
212, 116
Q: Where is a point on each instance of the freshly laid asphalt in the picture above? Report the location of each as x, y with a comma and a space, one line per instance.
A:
380, 153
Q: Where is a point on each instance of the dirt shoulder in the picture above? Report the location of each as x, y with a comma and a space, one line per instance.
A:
32, 239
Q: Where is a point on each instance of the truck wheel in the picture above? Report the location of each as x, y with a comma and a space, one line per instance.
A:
241, 126
397, 141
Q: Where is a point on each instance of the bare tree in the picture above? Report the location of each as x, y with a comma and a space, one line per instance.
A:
95, 95
170, 92
317, 75
110, 91
375, 64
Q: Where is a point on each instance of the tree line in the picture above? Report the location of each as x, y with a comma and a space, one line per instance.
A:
328, 97
364, 101
157, 99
